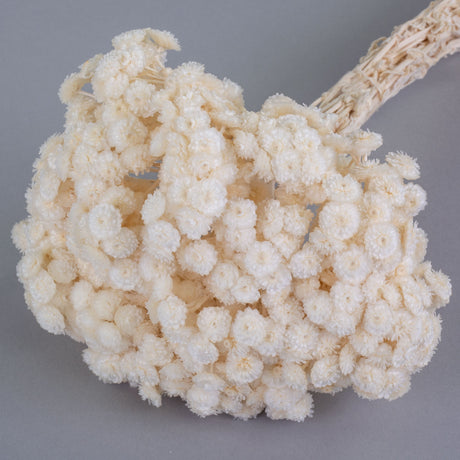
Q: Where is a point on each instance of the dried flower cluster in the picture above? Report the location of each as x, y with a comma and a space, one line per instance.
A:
270, 259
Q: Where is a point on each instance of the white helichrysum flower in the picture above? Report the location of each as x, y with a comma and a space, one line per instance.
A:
29, 265
155, 350
246, 290
48, 184
208, 196
414, 199
406, 166
109, 82
382, 356
249, 327
203, 164
325, 371
126, 132
62, 270
440, 285
376, 207
192, 223
314, 165
277, 281
347, 359
303, 289
202, 402
172, 312
243, 367
382, 240
207, 141
104, 221
391, 187
42, 287
138, 96
378, 319
272, 219
198, 257
262, 259
150, 393
305, 263
177, 175
105, 365
300, 340
121, 245
240, 214
318, 307
363, 342
397, 383
202, 349
104, 302
352, 265
324, 243
411, 294
273, 341
346, 297
347, 309
368, 380
161, 239
289, 404
124, 274
339, 220
153, 207
81, 294
245, 144
287, 164
109, 336
295, 376
342, 188
297, 219
240, 239
128, 318
174, 379
222, 279
50, 319
286, 243
214, 323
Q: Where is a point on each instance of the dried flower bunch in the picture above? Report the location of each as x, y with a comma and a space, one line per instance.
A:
271, 258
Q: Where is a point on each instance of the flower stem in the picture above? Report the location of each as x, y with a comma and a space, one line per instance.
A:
393, 63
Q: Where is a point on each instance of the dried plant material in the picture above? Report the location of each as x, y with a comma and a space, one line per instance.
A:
269, 259
393, 63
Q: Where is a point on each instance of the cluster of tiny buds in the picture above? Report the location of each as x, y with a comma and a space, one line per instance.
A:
268, 259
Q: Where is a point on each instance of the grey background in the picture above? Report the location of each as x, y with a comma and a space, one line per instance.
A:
51, 406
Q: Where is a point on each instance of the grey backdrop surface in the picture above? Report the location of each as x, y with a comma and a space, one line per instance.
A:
51, 406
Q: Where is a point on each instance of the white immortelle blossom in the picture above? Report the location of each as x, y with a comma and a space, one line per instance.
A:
121, 245
339, 220
382, 240
235, 259
161, 239
406, 166
104, 221
124, 274
249, 327
240, 214
208, 197
198, 257
342, 188
305, 263
214, 323
172, 312
262, 259
153, 207
352, 265
243, 367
